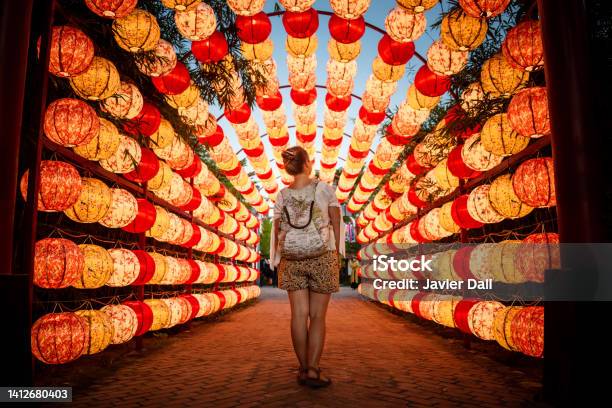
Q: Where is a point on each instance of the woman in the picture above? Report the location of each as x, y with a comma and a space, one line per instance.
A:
307, 237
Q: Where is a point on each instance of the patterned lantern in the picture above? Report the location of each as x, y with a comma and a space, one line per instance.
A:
126, 267
499, 138
58, 263
404, 26
476, 157
136, 32
528, 112
161, 313
443, 60
126, 103
103, 145
97, 267
58, 338
301, 47
196, 23
480, 207
349, 9
93, 202
100, 330
417, 6
504, 200
501, 259
522, 47
297, 5
71, 51
301, 24
429, 83
343, 52
125, 158
98, 82
527, 331
180, 311
60, 186
484, 8
160, 63
124, 321
144, 314
534, 182
122, 210
462, 32
112, 8
246, 7
481, 319
71, 122
212, 49
499, 78
502, 327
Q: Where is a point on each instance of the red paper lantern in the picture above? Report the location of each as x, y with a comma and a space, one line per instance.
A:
460, 214
394, 52
527, 331
430, 84
145, 218
534, 182
195, 272
303, 98
337, 104
416, 302
144, 314
346, 31
195, 237
71, 122
522, 47
195, 305
461, 262
146, 122
194, 203
212, 49
528, 112
536, 254
281, 141
111, 8
461, 313
457, 166
301, 25
253, 29
305, 138
215, 139
192, 170
484, 8
238, 115
412, 165
415, 233
174, 82
60, 186
146, 169
371, 118
58, 338
58, 263
71, 51
331, 143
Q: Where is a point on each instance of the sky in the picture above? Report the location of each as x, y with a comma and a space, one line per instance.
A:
375, 15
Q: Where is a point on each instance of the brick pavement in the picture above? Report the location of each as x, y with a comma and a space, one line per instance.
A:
245, 359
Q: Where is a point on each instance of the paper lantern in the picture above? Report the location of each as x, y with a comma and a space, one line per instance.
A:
112, 8
71, 51
93, 202
404, 26
301, 47
181, 5
528, 112
500, 79
60, 186
188, 98
58, 338
460, 214
126, 267
98, 82
212, 49
481, 319
522, 47
302, 81
504, 200
301, 24
346, 31
97, 267
70, 122
160, 268
297, 5
146, 123
100, 330
144, 218
430, 84
246, 7
174, 82
161, 62
386, 72
419, 101
534, 182
527, 331
501, 259
125, 158
103, 145
58, 263
446, 219
253, 29
349, 9
503, 327
124, 321
146, 267
417, 6
394, 52
480, 208
484, 8
196, 23
343, 52
136, 32
476, 157
144, 314
443, 60
122, 210
161, 313
258, 52
499, 138
126, 103
146, 169
444, 178
180, 311
461, 32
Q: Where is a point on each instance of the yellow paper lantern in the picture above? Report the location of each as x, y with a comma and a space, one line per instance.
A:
97, 268
100, 330
498, 137
419, 101
164, 136
404, 26
98, 82
136, 32
93, 202
446, 219
124, 321
162, 179
462, 32
500, 79
386, 72
502, 329
343, 52
125, 158
501, 259
126, 267
444, 178
417, 6
161, 313
189, 97
443, 309
122, 211
480, 208
196, 115
161, 266
102, 146
443, 60
179, 311
504, 200
301, 47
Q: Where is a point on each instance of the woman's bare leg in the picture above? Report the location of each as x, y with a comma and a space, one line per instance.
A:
316, 330
299, 324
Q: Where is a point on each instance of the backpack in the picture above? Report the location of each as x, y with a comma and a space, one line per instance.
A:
303, 241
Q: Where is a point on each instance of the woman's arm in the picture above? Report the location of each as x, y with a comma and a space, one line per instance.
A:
334, 217
275, 231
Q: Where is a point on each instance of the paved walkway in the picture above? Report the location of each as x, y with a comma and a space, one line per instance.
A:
245, 359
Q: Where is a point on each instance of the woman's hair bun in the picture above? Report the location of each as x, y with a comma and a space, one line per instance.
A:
295, 159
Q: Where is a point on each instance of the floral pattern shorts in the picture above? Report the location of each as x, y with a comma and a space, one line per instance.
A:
320, 274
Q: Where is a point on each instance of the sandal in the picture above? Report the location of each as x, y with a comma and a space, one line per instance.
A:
317, 382
302, 375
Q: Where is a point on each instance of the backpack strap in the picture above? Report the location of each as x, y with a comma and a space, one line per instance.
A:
312, 203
